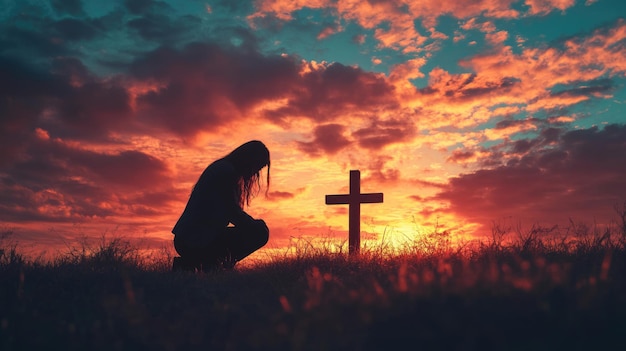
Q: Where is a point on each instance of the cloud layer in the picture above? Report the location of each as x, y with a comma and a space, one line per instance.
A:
551, 178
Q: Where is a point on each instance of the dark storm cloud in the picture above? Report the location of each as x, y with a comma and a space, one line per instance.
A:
467, 86
43, 178
24, 93
73, 29
518, 148
153, 21
336, 89
493, 156
51, 159
93, 109
58, 181
589, 88
234, 7
83, 105
29, 44
582, 176
34, 35
20, 80
328, 138
70, 7
507, 123
550, 135
522, 146
504, 83
126, 169
162, 29
382, 133
139, 7
206, 86
459, 156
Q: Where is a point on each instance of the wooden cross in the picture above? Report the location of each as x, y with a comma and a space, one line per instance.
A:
354, 200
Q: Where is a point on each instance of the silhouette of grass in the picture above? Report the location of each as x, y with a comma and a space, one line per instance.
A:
518, 290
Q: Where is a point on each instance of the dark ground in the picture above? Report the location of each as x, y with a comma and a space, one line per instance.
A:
492, 299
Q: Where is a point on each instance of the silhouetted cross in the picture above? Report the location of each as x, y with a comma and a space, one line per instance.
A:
354, 200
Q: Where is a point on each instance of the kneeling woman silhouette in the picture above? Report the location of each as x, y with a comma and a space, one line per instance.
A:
202, 236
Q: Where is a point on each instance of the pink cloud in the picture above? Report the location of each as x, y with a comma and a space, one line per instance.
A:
472, 23
542, 7
497, 38
328, 31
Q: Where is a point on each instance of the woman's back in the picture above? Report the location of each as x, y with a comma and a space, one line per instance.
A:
211, 201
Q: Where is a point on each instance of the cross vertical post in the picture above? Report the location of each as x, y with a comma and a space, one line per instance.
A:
354, 199
354, 213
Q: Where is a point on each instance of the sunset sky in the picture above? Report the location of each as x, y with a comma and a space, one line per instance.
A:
463, 113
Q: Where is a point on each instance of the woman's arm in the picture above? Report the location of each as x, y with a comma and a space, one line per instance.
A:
239, 217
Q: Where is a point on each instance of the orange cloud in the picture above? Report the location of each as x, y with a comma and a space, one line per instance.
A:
497, 38
472, 23
401, 33
542, 7
505, 82
328, 31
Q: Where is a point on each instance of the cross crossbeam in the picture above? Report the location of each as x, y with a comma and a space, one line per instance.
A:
354, 200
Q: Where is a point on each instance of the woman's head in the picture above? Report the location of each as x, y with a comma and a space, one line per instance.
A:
248, 160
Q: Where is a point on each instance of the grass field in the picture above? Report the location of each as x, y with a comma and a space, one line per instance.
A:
526, 291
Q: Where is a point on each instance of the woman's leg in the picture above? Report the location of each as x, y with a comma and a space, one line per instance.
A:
241, 242
236, 243
190, 258
230, 246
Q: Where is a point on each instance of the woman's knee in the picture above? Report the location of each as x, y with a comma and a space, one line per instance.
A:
262, 234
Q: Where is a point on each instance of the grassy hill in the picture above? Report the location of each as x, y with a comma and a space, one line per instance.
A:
531, 292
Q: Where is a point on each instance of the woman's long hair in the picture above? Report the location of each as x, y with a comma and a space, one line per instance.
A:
248, 160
